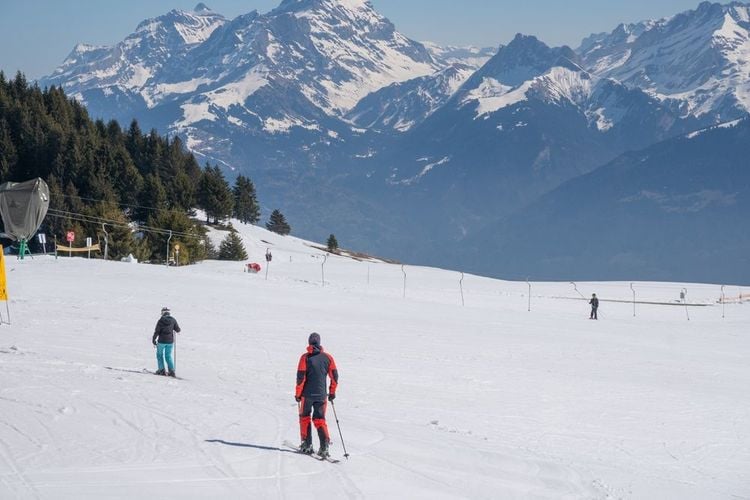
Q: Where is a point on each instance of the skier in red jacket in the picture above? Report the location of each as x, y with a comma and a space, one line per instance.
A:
314, 367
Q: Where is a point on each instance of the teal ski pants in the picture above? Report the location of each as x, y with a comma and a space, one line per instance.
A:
164, 351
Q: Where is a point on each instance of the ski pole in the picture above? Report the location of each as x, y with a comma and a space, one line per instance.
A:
174, 352
339, 427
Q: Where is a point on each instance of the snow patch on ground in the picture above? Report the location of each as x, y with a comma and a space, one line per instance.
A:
236, 93
195, 112
283, 125
492, 96
728, 124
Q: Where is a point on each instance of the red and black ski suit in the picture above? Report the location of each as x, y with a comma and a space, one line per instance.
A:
313, 368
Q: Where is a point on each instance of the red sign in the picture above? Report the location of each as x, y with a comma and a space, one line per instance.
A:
70, 236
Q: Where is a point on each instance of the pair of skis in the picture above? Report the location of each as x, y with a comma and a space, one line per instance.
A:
293, 447
143, 371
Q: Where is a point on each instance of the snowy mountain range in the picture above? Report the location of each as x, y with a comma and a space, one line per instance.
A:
699, 58
325, 99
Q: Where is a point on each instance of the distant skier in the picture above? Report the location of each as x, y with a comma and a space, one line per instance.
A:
594, 306
313, 369
163, 340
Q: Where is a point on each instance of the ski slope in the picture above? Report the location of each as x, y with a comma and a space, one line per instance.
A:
437, 400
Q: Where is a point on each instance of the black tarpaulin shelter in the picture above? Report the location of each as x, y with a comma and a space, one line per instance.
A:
23, 206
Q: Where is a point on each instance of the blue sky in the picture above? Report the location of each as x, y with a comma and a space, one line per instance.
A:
36, 35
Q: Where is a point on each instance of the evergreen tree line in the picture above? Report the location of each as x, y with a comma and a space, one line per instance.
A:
99, 172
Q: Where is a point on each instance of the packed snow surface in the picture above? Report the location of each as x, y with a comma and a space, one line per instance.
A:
436, 399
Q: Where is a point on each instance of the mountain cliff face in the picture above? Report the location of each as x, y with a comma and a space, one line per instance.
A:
325, 99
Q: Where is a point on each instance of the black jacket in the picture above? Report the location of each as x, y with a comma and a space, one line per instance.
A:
165, 328
314, 367
594, 304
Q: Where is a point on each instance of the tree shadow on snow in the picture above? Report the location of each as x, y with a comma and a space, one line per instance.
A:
247, 445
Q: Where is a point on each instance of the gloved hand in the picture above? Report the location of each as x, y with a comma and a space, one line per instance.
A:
331, 397
153, 341
298, 398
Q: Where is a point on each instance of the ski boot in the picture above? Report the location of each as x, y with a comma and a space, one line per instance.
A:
306, 447
172, 374
160, 372
323, 451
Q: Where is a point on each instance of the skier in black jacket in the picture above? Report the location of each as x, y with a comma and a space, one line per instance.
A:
163, 340
314, 367
594, 306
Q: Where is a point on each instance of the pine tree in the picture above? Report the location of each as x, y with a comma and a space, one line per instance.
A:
153, 198
246, 207
232, 247
214, 195
8, 156
333, 245
277, 223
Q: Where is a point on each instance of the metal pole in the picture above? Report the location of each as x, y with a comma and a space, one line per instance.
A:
174, 353
55, 247
529, 283
322, 270
368, 274
268, 261
723, 302
106, 241
461, 284
631, 287
403, 271
168, 241
339, 427
687, 313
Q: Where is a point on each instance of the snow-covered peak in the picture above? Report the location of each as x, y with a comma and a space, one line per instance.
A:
700, 57
402, 106
558, 85
471, 56
352, 6
192, 27
524, 58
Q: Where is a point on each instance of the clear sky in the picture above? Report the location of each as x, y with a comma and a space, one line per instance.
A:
36, 35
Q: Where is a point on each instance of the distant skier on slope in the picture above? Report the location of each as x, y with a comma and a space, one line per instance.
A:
310, 392
594, 306
163, 340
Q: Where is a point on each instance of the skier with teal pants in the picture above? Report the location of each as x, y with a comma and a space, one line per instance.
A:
163, 340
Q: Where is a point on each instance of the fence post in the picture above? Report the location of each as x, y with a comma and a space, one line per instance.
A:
461, 284
403, 271
723, 302
631, 287
684, 300
529, 283
322, 270
168, 242
106, 241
